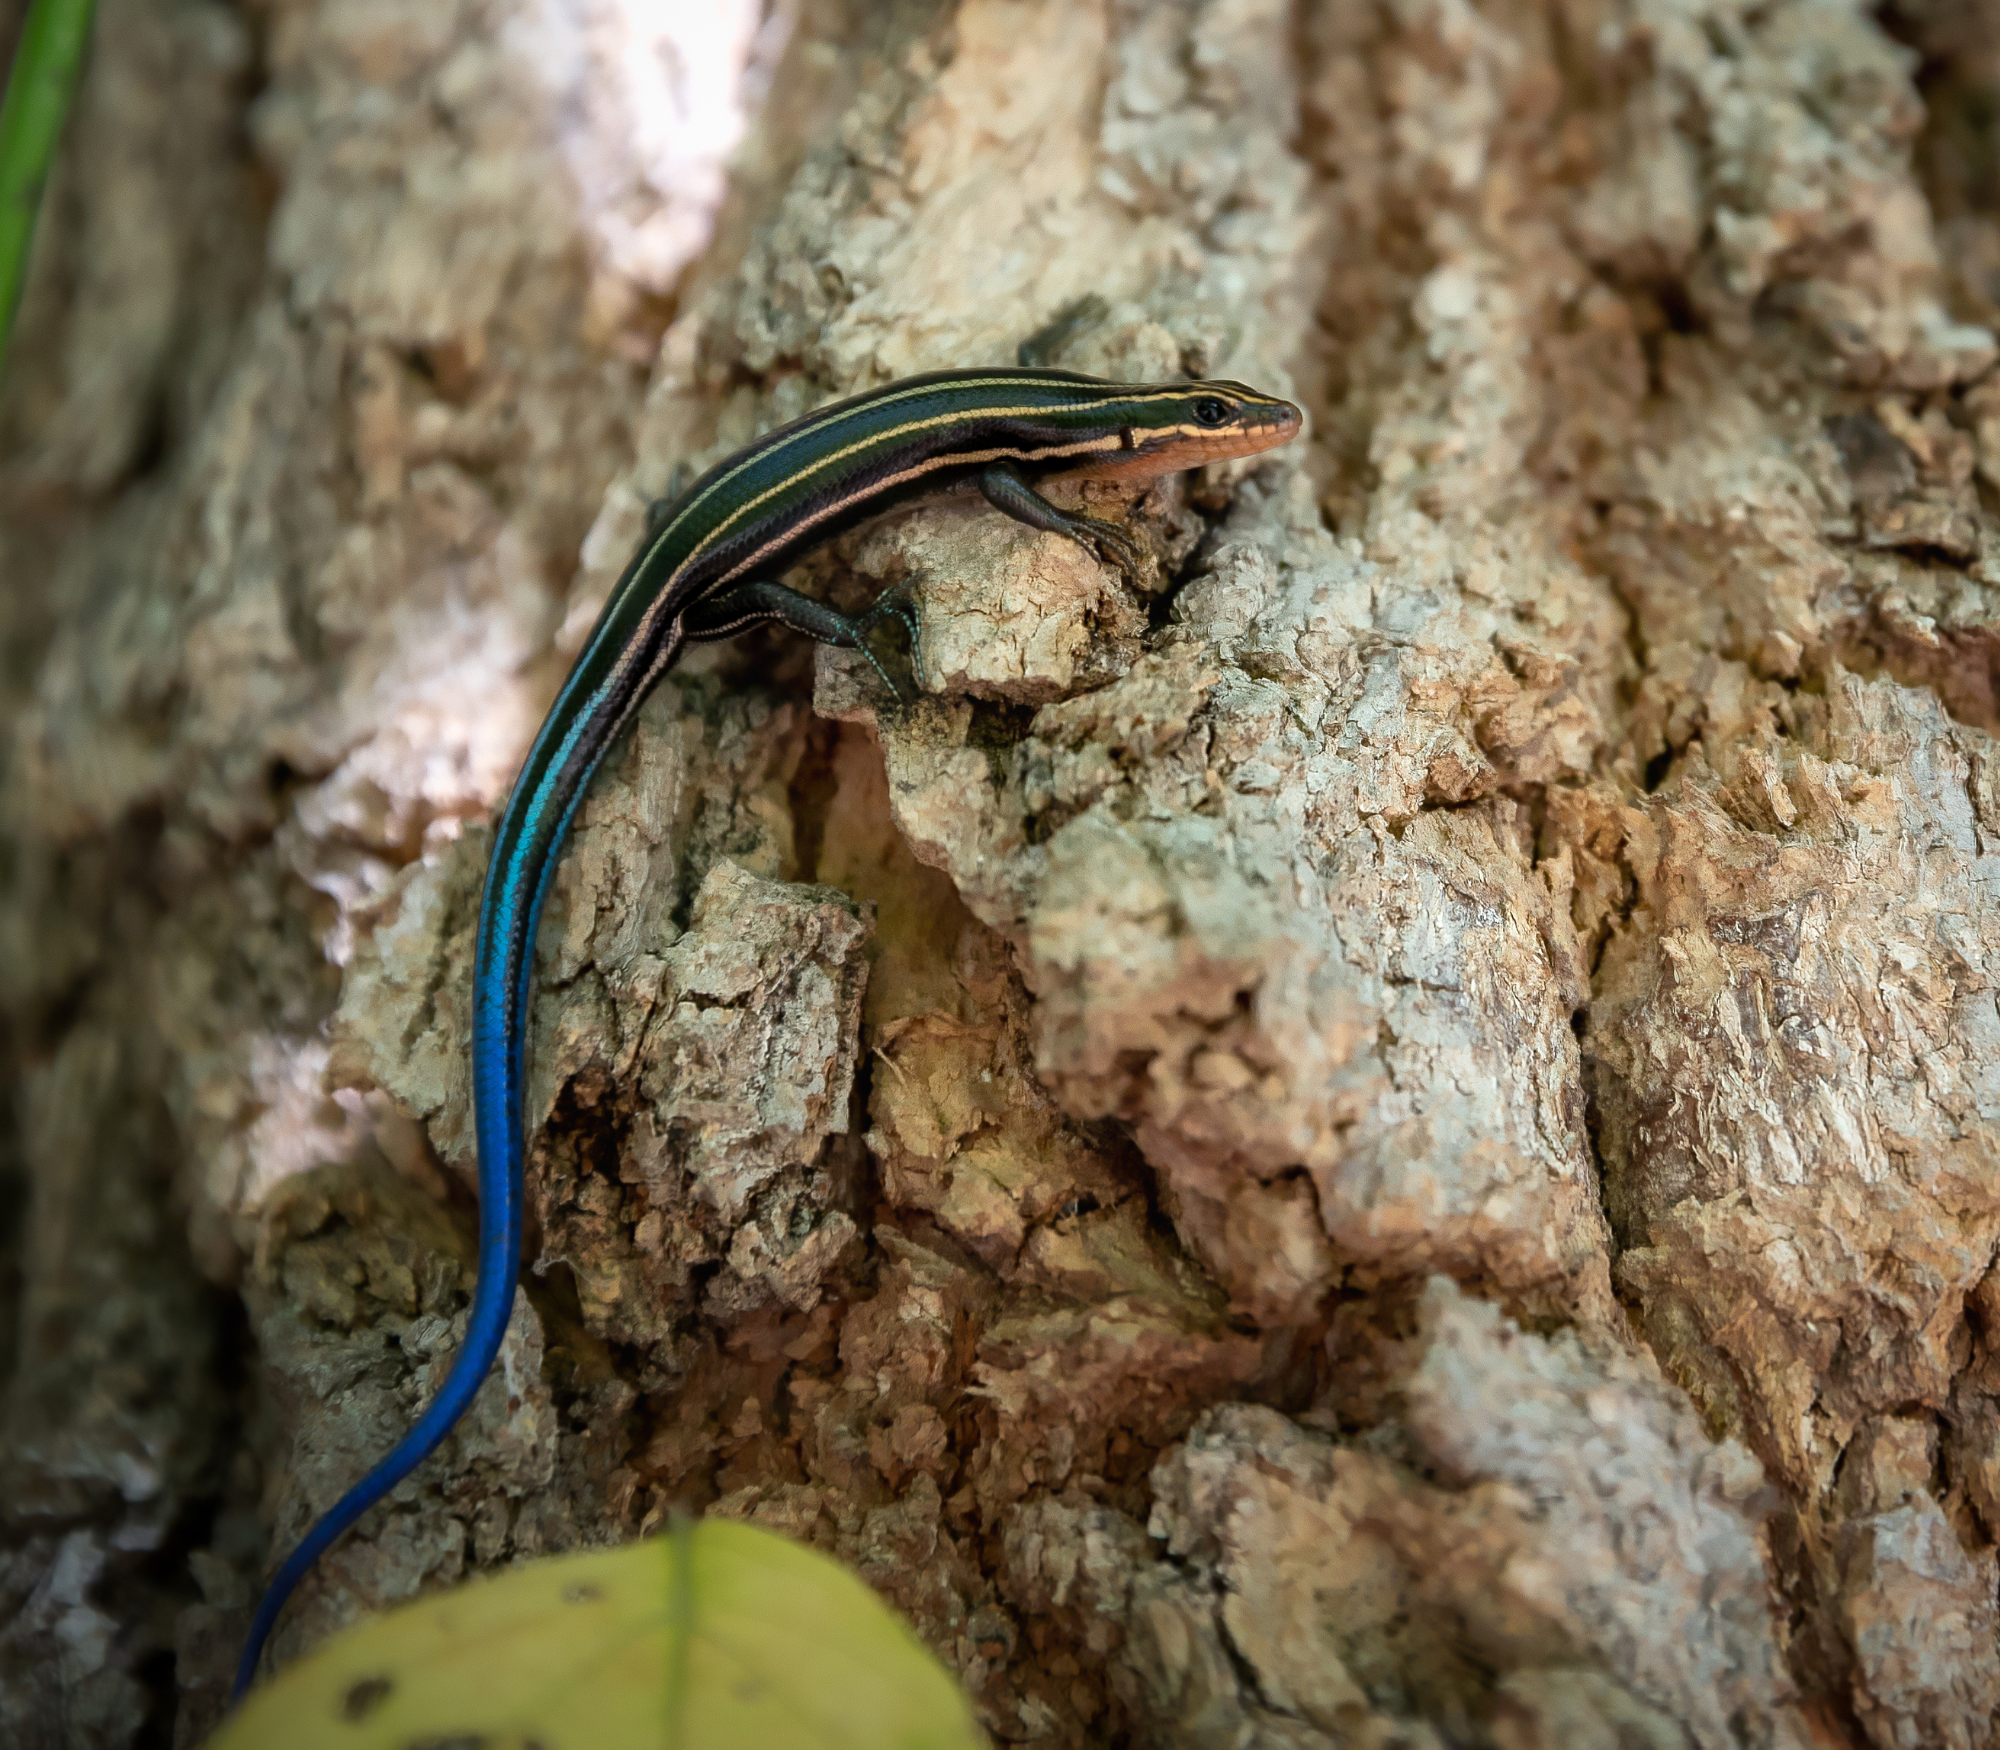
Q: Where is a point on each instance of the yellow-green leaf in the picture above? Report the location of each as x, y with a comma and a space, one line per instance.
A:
716, 1637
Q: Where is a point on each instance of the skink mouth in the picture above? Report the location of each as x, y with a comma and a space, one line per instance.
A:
1262, 428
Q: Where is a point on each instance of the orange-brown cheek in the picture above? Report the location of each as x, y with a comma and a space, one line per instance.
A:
1169, 457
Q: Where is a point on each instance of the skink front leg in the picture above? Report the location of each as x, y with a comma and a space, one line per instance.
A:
1006, 490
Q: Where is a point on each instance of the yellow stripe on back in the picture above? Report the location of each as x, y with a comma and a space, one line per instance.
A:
758, 456
915, 425
889, 482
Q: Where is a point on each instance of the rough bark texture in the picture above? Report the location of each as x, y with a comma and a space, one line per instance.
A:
1391, 1139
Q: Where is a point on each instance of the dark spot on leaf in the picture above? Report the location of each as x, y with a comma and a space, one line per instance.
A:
364, 1697
751, 1689
583, 1593
455, 1741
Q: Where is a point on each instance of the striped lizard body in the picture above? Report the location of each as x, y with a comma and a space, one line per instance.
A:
708, 568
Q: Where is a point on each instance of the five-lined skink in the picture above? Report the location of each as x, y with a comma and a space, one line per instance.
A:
708, 568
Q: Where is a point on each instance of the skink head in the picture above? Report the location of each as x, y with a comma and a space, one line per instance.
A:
1171, 426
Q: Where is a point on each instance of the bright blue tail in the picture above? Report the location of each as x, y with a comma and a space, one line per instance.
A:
501, 966
484, 1331
586, 717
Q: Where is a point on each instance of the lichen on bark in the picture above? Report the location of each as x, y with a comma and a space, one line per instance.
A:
1384, 1134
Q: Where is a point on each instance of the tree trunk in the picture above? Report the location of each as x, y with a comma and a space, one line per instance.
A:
1390, 1139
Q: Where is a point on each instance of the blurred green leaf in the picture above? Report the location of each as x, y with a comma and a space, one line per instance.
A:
39, 84
716, 1637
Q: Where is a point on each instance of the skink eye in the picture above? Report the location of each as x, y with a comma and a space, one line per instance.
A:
1209, 411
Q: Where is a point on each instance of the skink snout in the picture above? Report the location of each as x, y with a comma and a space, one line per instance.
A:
1265, 424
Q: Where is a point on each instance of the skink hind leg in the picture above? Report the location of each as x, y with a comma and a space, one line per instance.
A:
1005, 489
730, 613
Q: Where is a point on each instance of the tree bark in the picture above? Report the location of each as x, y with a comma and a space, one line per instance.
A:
1390, 1136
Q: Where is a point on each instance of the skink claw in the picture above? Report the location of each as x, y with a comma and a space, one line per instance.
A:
899, 603
1116, 545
